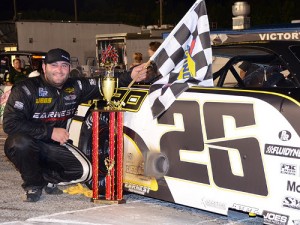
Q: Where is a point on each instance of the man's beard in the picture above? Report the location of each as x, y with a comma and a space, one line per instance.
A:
54, 84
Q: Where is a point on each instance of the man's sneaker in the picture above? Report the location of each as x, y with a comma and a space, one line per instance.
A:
32, 195
52, 189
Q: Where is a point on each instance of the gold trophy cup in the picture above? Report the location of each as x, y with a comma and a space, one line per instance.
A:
108, 88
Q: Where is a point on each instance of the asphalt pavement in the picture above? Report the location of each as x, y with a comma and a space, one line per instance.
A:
78, 209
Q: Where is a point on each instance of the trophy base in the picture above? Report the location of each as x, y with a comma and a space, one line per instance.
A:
105, 201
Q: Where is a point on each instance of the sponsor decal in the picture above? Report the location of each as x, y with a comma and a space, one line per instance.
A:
92, 82
285, 135
296, 222
137, 188
43, 92
284, 151
245, 208
209, 203
292, 186
275, 218
65, 57
89, 122
103, 118
19, 105
291, 202
43, 100
280, 36
137, 170
288, 169
70, 97
69, 90
57, 115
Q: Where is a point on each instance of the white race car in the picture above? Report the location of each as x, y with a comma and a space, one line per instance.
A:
234, 146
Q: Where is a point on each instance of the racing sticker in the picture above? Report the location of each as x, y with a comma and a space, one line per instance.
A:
296, 222
288, 169
210, 204
245, 208
293, 186
281, 150
275, 218
43, 101
285, 135
142, 190
291, 202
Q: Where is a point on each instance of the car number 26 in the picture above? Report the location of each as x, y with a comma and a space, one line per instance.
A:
192, 139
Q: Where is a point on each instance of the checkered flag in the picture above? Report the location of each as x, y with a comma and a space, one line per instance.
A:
183, 59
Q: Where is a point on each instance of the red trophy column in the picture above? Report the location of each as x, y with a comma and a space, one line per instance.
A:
113, 163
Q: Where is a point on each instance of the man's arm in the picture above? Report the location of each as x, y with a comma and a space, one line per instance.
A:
138, 74
89, 88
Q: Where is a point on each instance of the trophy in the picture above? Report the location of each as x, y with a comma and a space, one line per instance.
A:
108, 88
108, 85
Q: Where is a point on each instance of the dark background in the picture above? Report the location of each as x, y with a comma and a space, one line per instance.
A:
146, 12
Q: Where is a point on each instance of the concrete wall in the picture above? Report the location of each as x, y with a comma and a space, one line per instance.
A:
76, 38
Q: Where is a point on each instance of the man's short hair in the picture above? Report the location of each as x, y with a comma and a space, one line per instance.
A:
16, 59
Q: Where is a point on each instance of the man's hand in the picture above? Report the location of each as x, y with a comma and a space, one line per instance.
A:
139, 72
60, 135
152, 73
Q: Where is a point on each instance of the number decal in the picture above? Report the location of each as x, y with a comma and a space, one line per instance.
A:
190, 139
253, 180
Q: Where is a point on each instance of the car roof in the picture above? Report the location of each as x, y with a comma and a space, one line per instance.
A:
256, 34
256, 47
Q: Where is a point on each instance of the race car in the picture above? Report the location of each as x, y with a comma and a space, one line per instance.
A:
234, 146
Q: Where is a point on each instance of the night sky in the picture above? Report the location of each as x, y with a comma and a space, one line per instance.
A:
67, 6
89, 10
145, 12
